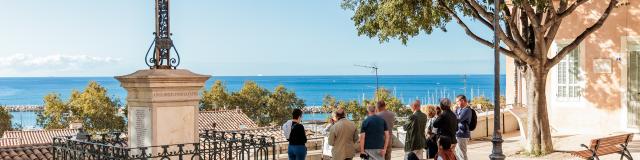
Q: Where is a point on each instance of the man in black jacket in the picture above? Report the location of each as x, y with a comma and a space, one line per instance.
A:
447, 122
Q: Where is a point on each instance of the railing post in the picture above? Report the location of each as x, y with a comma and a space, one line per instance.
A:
242, 148
273, 151
486, 121
503, 122
53, 147
180, 151
230, 146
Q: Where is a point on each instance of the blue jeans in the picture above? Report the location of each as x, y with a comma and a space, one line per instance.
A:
297, 152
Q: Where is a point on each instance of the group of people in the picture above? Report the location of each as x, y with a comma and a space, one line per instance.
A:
374, 134
446, 130
442, 132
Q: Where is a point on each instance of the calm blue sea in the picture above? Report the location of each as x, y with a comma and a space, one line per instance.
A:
31, 90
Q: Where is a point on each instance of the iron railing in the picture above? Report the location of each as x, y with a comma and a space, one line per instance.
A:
213, 145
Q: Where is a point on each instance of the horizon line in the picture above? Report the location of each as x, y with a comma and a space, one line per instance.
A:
283, 75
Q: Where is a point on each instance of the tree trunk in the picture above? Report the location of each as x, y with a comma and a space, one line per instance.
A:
539, 133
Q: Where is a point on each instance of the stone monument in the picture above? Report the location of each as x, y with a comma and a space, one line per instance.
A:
162, 100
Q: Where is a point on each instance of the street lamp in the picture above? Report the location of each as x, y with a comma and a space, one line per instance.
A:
496, 153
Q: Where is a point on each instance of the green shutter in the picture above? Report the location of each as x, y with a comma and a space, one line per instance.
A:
633, 89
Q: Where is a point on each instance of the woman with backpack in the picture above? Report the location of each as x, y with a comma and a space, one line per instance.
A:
296, 137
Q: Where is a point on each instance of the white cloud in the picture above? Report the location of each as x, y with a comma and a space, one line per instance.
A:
24, 64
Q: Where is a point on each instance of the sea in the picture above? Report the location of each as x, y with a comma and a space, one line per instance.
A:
312, 89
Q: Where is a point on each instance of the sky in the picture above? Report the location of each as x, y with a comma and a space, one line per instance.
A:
221, 38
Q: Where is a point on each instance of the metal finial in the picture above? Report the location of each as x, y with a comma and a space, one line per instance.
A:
162, 58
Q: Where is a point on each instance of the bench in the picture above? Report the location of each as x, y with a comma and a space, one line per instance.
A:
605, 146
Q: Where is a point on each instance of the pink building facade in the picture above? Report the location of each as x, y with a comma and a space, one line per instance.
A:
595, 89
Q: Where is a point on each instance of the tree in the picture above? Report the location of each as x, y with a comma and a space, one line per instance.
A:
5, 120
484, 102
527, 29
92, 107
262, 106
393, 104
358, 111
281, 103
55, 114
252, 99
329, 103
216, 98
355, 109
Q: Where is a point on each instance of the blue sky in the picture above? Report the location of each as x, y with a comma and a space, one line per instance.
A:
220, 38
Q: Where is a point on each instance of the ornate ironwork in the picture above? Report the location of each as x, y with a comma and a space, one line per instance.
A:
212, 145
162, 53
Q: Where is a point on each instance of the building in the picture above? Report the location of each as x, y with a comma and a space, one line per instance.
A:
30, 144
224, 120
19, 138
596, 88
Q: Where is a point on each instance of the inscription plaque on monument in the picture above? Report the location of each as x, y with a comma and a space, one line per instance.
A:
140, 126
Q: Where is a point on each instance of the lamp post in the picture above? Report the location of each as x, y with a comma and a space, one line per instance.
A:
496, 153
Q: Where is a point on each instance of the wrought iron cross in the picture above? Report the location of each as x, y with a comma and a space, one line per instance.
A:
162, 53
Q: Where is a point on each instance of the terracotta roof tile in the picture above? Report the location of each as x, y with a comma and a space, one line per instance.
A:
13, 138
224, 120
9, 141
29, 152
275, 132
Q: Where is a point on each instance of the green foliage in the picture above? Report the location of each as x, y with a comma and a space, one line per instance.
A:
252, 99
484, 102
216, 98
5, 120
281, 103
358, 110
329, 103
92, 107
355, 109
392, 102
53, 116
401, 19
263, 107
396, 18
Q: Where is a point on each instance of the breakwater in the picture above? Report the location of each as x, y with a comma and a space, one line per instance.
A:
24, 108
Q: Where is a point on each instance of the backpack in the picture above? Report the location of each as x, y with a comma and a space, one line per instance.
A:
286, 129
474, 120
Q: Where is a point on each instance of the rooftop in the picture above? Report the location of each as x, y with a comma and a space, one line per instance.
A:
18, 138
225, 120
40, 151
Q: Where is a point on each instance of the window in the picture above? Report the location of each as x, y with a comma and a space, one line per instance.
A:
568, 75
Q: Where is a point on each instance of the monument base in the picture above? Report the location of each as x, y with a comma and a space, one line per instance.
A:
162, 106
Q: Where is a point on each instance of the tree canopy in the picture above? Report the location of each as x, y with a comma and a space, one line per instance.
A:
259, 104
5, 120
92, 107
216, 98
358, 110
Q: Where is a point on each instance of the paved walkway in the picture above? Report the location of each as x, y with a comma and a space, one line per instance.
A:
564, 143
